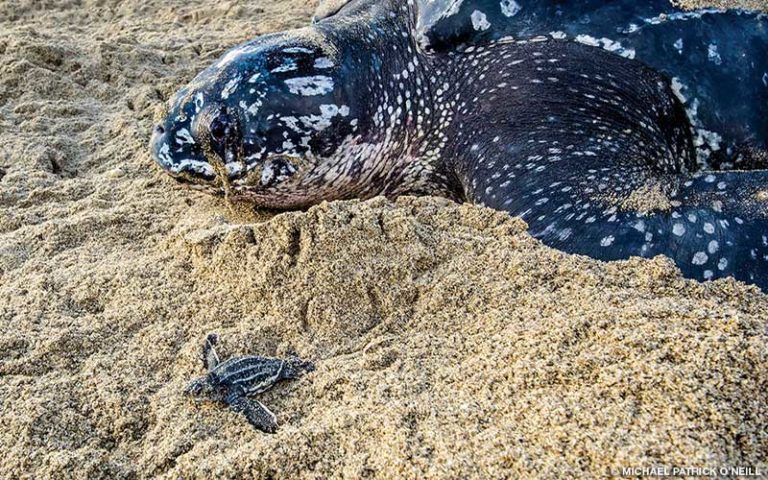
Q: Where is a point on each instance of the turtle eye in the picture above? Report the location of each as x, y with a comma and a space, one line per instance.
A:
220, 127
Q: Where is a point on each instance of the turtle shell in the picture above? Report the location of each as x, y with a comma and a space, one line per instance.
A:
716, 57
328, 8
446, 23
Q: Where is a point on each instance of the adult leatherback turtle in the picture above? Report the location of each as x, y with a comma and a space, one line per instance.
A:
232, 381
569, 123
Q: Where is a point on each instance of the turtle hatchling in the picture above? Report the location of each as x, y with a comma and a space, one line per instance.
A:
233, 381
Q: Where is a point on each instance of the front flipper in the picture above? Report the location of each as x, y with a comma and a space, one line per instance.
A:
209, 356
712, 225
578, 157
257, 414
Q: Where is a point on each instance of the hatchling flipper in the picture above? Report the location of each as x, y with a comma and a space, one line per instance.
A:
209, 355
257, 414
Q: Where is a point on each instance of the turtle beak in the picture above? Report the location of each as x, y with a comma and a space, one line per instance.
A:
157, 136
155, 145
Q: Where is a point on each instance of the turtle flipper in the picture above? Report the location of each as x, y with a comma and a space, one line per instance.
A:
581, 193
209, 356
257, 414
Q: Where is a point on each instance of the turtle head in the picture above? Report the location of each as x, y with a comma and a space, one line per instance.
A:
206, 388
259, 121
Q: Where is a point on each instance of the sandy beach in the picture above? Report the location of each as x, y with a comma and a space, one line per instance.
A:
448, 342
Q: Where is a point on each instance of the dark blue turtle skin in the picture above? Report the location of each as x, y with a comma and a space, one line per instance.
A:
561, 125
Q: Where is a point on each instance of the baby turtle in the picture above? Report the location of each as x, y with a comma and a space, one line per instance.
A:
233, 381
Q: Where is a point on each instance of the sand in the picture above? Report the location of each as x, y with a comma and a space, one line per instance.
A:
448, 342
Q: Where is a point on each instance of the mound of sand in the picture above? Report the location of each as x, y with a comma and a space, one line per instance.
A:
448, 342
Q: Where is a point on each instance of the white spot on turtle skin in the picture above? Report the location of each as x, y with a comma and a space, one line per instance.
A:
679, 45
309, 86
677, 89
288, 146
708, 274
270, 174
765, 79
699, 258
709, 228
196, 165
480, 21
558, 35
453, 9
588, 40
183, 165
713, 247
163, 155
324, 120
708, 138
234, 168
678, 229
323, 63
297, 50
510, 8
722, 264
254, 108
713, 55
267, 174
234, 53
288, 65
183, 136
607, 44
607, 241
230, 87
667, 17
199, 102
